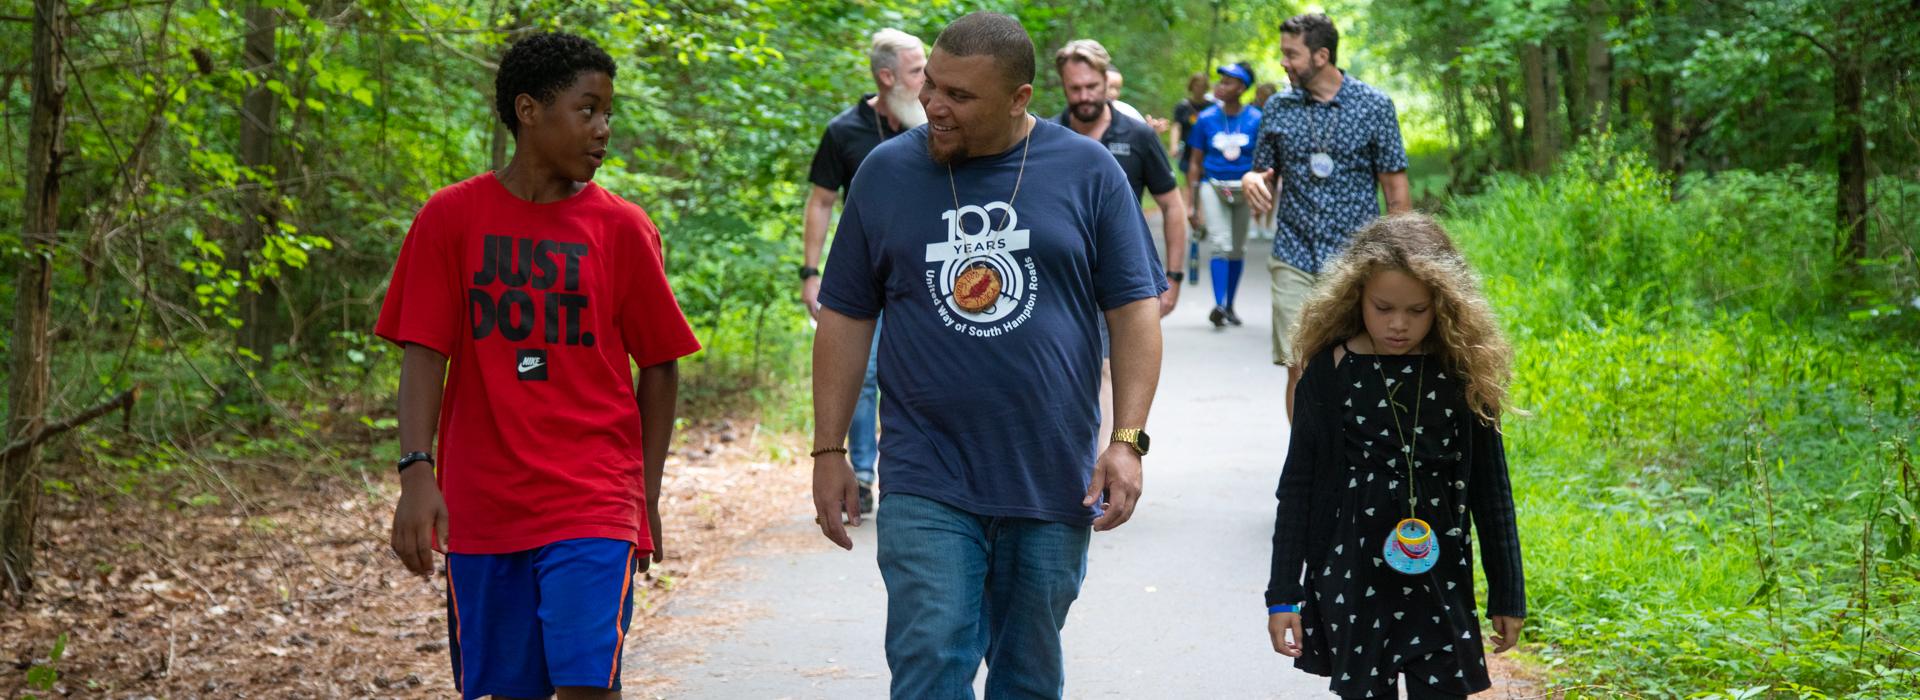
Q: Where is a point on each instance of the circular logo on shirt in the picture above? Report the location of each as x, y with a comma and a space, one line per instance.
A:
982, 279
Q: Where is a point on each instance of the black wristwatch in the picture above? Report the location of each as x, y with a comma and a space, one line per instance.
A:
1177, 276
412, 458
807, 273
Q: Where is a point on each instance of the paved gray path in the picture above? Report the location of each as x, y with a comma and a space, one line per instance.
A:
1171, 607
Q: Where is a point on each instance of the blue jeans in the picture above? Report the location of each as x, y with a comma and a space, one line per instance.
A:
863, 436
964, 587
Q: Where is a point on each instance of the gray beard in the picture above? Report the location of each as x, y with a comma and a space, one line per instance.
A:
905, 108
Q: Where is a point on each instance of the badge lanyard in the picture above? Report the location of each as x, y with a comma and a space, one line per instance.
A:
1232, 151
1410, 549
1321, 163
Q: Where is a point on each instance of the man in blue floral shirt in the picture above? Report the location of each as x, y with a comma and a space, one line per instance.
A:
1325, 144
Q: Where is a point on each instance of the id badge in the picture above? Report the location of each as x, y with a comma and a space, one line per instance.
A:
1322, 164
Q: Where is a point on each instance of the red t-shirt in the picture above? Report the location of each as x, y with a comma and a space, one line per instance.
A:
537, 307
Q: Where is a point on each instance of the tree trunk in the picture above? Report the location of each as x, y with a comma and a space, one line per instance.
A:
1460, 123
1574, 60
33, 303
1213, 34
1849, 95
1564, 80
1501, 112
259, 114
501, 137
1539, 114
1665, 138
1599, 68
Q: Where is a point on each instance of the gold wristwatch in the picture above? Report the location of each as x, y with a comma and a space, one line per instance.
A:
1135, 438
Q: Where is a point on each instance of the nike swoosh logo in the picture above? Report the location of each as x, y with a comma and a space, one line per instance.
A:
529, 365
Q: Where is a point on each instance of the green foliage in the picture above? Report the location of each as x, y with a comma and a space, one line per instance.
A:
41, 677
1716, 483
237, 293
1739, 84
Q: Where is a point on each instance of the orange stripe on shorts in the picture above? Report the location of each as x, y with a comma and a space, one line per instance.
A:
453, 601
619, 635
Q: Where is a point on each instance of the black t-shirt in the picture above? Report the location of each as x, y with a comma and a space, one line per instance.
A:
1137, 147
1184, 115
851, 135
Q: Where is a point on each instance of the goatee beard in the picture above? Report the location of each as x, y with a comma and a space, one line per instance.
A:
944, 157
905, 108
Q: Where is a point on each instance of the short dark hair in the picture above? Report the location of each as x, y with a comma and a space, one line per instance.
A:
540, 66
995, 35
1317, 32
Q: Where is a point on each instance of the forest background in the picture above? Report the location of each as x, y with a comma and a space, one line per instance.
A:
1697, 218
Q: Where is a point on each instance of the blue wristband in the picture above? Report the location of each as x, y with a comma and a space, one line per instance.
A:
1284, 608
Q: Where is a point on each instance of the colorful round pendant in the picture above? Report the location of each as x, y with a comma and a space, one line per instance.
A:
976, 288
1411, 549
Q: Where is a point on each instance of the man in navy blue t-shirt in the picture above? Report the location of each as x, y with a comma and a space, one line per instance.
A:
994, 242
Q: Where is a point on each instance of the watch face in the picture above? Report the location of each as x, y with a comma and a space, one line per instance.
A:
1143, 442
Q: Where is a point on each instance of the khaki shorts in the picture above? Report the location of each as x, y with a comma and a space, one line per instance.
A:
1291, 285
1231, 218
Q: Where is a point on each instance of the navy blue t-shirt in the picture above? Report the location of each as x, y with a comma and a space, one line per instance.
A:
990, 356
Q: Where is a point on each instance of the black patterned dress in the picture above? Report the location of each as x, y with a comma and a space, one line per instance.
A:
1365, 623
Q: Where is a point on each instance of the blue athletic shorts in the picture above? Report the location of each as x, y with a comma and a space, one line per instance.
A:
521, 624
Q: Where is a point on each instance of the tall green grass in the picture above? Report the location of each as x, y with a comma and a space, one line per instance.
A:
1717, 483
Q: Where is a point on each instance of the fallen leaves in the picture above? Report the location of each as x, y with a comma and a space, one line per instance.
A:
286, 588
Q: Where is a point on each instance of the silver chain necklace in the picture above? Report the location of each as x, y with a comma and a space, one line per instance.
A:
1017, 178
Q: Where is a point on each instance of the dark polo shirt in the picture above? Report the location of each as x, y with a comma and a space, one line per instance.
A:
851, 135
1137, 148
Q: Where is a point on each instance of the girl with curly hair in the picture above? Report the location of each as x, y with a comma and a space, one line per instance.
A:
1395, 458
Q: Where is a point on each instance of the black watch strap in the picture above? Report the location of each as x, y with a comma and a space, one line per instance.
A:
412, 458
809, 272
1177, 276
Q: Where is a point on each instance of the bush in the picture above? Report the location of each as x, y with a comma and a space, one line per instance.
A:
1716, 486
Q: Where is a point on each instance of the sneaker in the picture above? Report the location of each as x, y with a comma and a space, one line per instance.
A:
866, 499
1233, 318
1218, 316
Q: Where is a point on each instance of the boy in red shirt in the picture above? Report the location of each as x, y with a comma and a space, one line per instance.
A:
526, 291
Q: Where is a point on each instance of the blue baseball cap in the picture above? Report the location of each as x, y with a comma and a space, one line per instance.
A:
1237, 71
